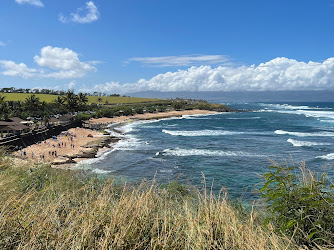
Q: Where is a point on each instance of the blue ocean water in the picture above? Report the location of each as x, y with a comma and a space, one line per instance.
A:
232, 150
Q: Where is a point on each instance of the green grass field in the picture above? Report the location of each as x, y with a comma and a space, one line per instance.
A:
91, 99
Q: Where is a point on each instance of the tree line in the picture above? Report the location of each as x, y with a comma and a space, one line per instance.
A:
49, 91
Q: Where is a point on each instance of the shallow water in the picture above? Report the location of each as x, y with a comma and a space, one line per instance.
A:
231, 149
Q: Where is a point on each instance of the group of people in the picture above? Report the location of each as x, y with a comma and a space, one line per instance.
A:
58, 144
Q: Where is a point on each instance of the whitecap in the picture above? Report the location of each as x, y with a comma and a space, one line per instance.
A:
100, 171
301, 134
200, 132
205, 152
296, 143
326, 157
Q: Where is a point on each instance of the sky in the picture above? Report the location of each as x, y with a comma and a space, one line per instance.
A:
124, 46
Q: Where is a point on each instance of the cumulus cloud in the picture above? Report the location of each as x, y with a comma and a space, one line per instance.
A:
37, 3
17, 69
187, 60
92, 14
278, 74
65, 61
61, 63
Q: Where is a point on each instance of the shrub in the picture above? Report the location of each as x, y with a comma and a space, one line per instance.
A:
300, 203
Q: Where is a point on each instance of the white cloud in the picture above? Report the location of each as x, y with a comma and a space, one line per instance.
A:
2, 44
66, 61
187, 60
37, 3
14, 69
92, 15
278, 74
60, 63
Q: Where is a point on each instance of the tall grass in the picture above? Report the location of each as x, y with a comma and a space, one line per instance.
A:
47, 208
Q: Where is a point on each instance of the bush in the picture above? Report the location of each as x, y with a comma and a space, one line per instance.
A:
300, 203
83, 116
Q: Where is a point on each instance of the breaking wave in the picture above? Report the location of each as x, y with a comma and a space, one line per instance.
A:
205, 152
296, 143
326, 157
301, 134
200, 132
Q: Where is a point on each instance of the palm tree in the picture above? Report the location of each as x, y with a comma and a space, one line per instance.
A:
32, 103
82, 98
71, 100
60, 100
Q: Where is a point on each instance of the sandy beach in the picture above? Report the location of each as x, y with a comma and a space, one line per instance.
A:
78, 144
148, 116
61, 147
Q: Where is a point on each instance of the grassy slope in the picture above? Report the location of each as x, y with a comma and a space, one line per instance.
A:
48, 208
91, 99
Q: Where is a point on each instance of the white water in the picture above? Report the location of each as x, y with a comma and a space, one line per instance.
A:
200, 132
205, 152
296, 143
301, 134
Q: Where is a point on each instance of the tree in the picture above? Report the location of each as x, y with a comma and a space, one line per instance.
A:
82, 99
60, 100
4, 109
32, 104
72, 102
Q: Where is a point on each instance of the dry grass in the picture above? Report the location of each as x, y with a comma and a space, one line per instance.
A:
43, 208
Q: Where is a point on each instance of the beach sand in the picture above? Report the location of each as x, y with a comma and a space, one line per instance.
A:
74, 145
68, 144
148, 116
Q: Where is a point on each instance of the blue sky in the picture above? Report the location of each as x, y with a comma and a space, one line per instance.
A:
167, 45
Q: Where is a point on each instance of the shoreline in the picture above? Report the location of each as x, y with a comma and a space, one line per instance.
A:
86, 147
148, 116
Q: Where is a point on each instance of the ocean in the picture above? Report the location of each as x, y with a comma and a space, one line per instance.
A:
232, 150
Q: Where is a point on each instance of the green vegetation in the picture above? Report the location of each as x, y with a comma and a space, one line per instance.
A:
300, 204
91, 99
33, 106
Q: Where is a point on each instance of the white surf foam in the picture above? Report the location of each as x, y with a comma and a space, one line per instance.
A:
326, 157
100, 171
301, 134
292, 107
199, 132
296, 143
205, 152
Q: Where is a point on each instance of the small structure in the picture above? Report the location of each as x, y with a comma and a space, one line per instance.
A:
11, 128
65, 119
14, 126
54, 121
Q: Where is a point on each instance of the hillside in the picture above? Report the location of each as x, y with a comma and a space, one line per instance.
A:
91, 99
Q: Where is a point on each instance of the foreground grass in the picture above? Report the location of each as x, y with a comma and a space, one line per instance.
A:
91, 99
47, 208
